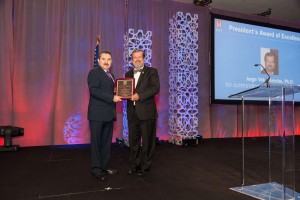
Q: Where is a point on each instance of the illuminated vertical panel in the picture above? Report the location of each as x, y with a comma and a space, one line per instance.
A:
183, 79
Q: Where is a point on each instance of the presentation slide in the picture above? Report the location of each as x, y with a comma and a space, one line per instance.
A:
238, 47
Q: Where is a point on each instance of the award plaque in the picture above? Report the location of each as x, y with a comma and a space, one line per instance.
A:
125, 87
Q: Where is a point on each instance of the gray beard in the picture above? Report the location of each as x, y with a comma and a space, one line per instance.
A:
138, 66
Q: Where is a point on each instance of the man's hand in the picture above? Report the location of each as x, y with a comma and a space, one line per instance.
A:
135, 97
117, 98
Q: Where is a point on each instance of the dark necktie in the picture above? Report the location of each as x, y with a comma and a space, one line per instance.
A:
110, 76
137, 70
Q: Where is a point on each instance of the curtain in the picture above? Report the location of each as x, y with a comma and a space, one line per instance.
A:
46, 52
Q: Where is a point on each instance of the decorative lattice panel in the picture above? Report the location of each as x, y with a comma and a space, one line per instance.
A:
183, 79
72, 131
134, 40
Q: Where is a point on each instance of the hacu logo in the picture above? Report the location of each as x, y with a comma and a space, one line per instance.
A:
218, 23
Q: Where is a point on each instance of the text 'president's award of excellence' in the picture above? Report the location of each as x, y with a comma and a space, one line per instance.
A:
125, 88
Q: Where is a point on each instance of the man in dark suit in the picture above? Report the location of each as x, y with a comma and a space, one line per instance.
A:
142, 114
101, 114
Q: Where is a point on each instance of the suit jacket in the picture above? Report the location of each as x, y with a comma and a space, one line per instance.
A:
147, 87
101, 106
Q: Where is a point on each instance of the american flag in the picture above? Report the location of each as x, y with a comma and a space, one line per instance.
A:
96, 54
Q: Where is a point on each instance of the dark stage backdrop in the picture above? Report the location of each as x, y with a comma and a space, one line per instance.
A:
46, 52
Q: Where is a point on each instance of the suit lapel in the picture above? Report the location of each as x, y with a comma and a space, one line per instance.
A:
106, 77
131, 74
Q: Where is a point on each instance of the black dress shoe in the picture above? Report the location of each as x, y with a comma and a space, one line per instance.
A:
147, 169
100, 176
111, 171
131, 171
141, 173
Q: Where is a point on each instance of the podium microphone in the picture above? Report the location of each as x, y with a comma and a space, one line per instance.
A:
268, 79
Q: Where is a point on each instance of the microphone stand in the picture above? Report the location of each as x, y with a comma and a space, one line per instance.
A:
268, 79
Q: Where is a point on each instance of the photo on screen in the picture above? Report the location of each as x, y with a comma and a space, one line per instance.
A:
269, 61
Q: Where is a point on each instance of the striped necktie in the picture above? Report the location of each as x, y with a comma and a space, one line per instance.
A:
110, 76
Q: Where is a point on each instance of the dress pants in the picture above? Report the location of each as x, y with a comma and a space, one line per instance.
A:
101, 137
141, 132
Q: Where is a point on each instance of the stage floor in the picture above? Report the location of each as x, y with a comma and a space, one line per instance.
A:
205, 171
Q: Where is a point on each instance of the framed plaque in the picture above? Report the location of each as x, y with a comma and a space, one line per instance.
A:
125, 87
